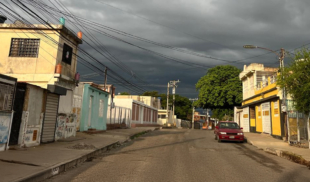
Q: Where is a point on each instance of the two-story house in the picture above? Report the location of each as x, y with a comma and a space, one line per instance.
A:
260, 111
44, 59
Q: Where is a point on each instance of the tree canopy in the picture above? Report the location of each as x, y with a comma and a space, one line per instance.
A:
295, 78
220, 90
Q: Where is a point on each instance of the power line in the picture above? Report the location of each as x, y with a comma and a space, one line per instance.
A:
91, 23
42, 33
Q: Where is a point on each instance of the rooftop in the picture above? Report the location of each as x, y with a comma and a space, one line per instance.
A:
61, 28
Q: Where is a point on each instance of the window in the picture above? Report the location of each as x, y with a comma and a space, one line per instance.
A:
67, 54
24, 47
229, 125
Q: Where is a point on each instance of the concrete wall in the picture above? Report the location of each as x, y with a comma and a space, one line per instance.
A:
77, 104
139, 112
94, 112
66, 119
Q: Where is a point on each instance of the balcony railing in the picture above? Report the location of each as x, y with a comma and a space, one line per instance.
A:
265, 83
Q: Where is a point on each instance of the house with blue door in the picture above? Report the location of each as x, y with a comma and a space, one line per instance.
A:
91, 110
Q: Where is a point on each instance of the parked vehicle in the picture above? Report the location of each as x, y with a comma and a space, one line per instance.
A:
228, 131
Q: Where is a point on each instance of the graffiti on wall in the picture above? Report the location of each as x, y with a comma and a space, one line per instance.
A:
31, 135
65, 126
5, 119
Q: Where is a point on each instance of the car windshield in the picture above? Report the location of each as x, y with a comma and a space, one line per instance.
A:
229, 125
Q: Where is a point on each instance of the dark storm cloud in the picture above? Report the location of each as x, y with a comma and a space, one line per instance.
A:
222, 28
218, 28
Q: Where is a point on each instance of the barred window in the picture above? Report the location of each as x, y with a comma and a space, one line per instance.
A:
24, 47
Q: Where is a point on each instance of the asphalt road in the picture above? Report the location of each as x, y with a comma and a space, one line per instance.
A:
185, 155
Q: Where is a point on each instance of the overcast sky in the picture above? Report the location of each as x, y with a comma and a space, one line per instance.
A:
216, 28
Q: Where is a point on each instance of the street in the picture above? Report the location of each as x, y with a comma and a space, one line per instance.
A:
185, 155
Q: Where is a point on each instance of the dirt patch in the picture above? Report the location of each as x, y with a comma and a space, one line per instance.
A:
295, 158
83, 146
139, 134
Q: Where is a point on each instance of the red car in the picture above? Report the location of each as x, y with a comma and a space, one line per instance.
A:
228, 131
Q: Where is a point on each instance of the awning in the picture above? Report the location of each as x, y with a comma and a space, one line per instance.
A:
57, 89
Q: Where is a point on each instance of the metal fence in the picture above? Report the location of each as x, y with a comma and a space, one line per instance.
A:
186, 124
298, 131
119, 115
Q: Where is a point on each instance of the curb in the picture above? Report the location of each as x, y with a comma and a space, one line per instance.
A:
284, 154
64, 166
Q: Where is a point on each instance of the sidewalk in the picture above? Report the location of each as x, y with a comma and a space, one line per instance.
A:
46, 160
277, 147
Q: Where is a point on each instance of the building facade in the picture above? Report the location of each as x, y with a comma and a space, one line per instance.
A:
93, 107
260, 111
141, 114
45, 57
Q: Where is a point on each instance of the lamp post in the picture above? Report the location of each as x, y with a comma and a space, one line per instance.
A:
281, 59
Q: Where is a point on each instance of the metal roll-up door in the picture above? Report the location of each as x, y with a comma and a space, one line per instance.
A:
266, 117
50, 118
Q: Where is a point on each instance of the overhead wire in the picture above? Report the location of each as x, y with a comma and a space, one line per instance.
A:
92, 23
43, 33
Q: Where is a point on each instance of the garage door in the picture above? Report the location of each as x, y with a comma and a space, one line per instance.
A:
266, 117
50, 118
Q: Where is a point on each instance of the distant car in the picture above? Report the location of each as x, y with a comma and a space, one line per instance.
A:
228, 131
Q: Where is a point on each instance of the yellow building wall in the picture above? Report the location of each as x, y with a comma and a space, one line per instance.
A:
268, 87
259, 97
259, 121
275, 118
35, 70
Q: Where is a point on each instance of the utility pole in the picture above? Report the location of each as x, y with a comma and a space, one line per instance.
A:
167, 114
105, 78
283, 105
193, 111
174, 85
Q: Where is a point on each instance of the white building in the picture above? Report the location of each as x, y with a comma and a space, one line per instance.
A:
141, 113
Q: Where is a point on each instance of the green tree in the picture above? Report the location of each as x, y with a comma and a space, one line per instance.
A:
151, 93
124, 93
295, 78
220, 90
